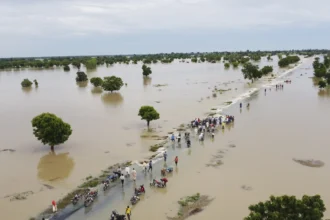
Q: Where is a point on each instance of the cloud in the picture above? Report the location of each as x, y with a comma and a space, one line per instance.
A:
53, 19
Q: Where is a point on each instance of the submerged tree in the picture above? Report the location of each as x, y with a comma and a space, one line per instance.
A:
288, 208
91, 63
81, 77
50, 129
112, 83
227, 65
146, 71
66, 68
266, 69
148, 113
26, 83
322, 84
251, 72
96, 81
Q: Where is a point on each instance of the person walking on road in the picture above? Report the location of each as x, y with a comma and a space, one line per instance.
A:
144, 166
134, 174
122, 179
128, 213
165, 156
176, 160
150, 166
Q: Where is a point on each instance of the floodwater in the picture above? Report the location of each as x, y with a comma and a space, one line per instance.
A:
107, 130
257, 154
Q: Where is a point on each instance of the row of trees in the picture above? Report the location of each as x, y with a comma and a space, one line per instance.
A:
252, 72
92, 62
322, 71
284, 62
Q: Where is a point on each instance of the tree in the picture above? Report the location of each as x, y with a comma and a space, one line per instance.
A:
26, 83
91, 63
227, 65
66, 68
288, 60
50, 129
322, 84
76, 64
112, 83
81, 77
288, 208
251, 72
146, 71
148, 113
96, 81
266, 69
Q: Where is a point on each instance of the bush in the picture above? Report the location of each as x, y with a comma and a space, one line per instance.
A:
81, 77
66, 68
26, 83
96, 81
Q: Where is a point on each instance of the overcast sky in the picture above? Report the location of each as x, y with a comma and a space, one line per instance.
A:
91, 27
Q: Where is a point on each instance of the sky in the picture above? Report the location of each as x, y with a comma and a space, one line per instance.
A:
108, 27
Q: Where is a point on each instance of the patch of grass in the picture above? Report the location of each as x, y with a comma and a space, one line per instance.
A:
191, 205
89, 184
154, 148
89, 177
160, 85
228, 103
213, 109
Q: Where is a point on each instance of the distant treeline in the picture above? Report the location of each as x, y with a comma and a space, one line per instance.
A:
90, 62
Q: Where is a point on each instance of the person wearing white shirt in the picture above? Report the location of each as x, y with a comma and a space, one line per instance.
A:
134, 174
122, 179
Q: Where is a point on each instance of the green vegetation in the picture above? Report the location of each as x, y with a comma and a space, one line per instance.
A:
66, 68
284, 62
36, 83
148, 113
227, 65
266, 69
191, 205
90, 183
91, 63
26, 83
288, 208
146, 71
322, 84
251, 72
112, 83
322, 71
81, 77
51, 130
96, 81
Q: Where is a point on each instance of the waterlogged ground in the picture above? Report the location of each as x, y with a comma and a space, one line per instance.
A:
107, 130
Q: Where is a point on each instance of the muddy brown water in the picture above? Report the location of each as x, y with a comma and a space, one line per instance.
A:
106, 130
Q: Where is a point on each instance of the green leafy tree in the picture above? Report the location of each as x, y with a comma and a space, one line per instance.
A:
112, 83
50, 129
91, 63
148, 113
288, 208
76, 64
288, 60
227, 65
96, 81
66, 68
322, 84
81, 77
266, 69
194, 60
26, 83
251, 72
146, 71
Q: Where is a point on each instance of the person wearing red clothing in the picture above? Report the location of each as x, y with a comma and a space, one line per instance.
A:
54, 206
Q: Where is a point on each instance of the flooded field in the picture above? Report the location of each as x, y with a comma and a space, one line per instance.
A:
106, 129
